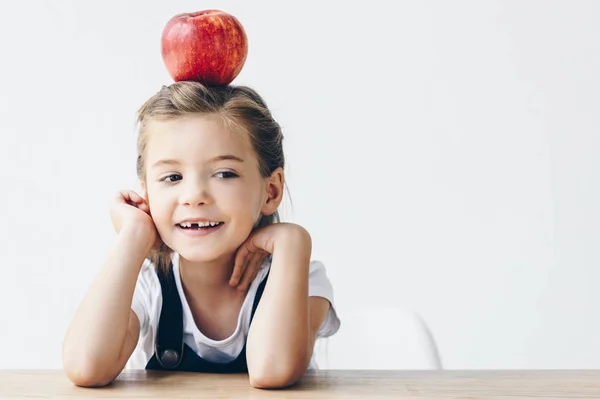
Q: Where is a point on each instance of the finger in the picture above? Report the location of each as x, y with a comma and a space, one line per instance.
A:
144, 206
251, 271
132, 198
126, 197
241, 259
143, 203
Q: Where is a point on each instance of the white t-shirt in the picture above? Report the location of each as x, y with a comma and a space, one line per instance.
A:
147, 305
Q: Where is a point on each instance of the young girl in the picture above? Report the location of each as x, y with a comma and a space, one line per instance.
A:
202, 276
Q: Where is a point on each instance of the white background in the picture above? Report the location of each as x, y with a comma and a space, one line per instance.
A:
444, 156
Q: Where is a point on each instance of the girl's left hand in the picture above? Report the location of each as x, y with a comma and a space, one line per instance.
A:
259, 245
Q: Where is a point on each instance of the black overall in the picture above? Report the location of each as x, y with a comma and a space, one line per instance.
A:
170, 353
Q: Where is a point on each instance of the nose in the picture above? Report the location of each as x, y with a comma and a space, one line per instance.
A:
194, 193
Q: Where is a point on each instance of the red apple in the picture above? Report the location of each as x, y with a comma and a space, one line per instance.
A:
208, 46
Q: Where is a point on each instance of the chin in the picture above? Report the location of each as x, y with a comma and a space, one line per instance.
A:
213, 247
200, 254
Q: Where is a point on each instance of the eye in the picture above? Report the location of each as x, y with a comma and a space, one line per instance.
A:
171, 178
226, 175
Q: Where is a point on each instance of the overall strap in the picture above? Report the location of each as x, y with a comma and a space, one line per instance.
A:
259, 292
169, 346
169, 339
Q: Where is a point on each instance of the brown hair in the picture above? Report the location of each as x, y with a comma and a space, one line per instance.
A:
240, 107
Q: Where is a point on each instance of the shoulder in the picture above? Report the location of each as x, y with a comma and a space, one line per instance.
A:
317, 272
317, 267
319, 283
317, 275
147, 277
147, 294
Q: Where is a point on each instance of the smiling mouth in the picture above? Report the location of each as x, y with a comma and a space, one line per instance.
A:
199, 225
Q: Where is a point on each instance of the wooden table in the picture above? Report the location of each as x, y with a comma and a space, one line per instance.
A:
315, 385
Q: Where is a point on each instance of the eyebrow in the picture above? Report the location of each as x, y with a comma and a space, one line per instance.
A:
224, 157
164, 162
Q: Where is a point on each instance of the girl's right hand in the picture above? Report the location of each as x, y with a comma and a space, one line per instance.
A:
129, 209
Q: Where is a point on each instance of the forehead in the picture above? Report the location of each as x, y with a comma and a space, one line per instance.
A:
197, 137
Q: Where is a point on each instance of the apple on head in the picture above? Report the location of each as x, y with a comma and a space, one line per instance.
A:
208, 46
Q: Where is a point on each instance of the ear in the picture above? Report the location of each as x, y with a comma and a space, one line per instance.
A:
144, 189
274, 192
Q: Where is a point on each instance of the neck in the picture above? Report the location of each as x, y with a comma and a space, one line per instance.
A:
209, 277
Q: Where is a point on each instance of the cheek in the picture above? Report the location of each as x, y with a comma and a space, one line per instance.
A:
242, 201
160, 205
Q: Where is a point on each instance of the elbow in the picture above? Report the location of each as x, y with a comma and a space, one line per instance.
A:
273, 380
276, 375
87, 377
86, 374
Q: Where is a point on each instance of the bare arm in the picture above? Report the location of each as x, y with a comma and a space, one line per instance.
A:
104, 330
284, 328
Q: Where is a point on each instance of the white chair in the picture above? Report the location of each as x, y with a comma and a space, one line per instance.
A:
379, 338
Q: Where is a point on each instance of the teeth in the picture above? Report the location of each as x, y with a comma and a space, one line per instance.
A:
200, 224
